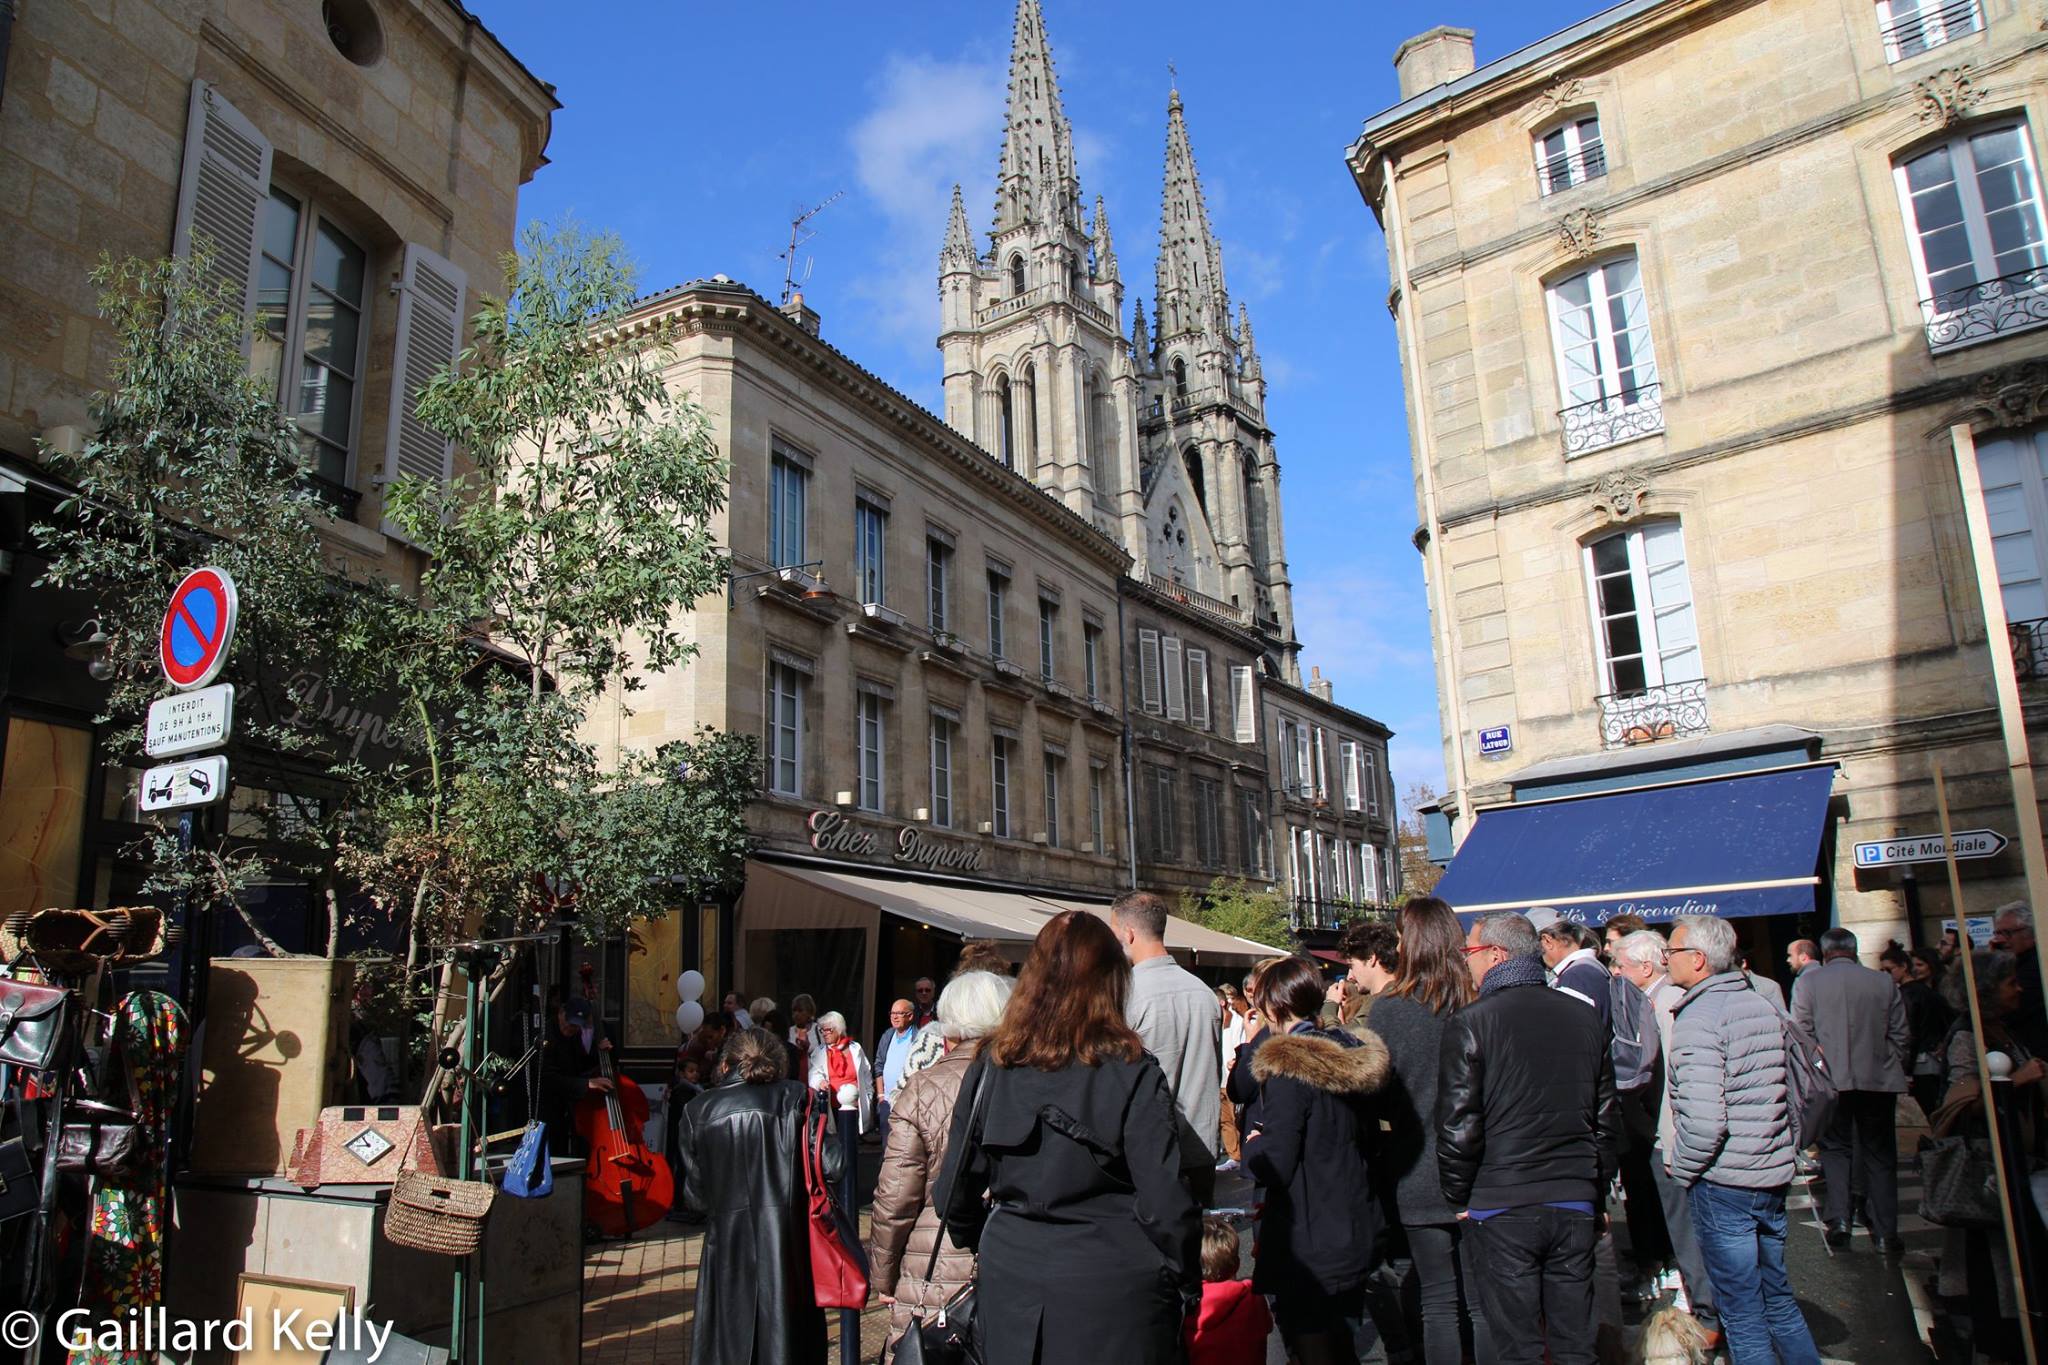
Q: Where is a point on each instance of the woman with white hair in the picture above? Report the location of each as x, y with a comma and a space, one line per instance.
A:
839, 1064
905, 1225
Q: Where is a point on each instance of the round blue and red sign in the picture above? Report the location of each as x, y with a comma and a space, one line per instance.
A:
197, 628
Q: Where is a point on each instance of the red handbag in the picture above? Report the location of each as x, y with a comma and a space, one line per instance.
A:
839, 1275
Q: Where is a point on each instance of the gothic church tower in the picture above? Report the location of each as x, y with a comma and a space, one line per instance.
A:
1159, 440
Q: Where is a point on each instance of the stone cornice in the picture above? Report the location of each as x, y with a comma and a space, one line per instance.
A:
733, 308
1309, 701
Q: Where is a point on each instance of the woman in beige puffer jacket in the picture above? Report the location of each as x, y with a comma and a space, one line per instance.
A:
904, 1224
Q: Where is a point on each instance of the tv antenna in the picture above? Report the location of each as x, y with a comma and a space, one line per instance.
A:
800, 233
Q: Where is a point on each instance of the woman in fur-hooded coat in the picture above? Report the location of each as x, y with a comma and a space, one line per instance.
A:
1319, 1237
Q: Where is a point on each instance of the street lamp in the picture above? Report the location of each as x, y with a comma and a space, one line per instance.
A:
813, 593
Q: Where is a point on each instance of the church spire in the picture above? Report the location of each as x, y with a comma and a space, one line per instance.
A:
1105, 250
958, 252
1037, 178
1141, 345
1191, 295
1247, 349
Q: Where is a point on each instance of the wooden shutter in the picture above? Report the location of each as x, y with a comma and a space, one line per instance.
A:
1351, 775
1148, 670
1176, 678
1198, 688
1244, 702
223, 192
430, 291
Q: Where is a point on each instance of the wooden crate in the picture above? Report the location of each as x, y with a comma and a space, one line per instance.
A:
275, 1053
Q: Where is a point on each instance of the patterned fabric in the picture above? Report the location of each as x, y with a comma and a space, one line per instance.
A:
124, 1261
926, 1048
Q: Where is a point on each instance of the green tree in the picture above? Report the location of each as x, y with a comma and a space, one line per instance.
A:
1419, 875
1233, 906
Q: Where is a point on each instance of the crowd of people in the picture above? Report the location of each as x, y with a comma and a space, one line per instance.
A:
1435, 1142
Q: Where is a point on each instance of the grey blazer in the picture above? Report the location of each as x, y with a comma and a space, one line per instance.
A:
1859, 1019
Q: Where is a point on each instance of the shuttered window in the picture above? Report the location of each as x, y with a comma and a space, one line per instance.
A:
1350, 773
1176, 678
309, 335
223, 191
1198, 688
1244, 705
1148, 671
430, 291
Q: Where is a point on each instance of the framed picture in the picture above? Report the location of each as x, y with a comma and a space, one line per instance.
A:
273, 1298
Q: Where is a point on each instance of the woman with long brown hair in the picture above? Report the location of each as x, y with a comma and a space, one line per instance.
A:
1088, 1242
1409, 1017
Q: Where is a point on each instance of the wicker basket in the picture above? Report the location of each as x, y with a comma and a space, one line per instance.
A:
437, 1214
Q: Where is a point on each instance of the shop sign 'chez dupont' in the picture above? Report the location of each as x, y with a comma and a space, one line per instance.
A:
832, 832
198, 627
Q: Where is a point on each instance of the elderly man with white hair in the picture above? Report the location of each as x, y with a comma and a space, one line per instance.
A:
906, 1225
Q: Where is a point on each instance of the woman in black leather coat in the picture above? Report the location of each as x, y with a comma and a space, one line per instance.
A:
742, 1147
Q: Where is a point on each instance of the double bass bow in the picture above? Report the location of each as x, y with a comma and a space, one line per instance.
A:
626, 1186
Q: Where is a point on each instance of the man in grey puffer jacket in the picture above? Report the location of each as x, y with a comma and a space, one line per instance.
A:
1733, 1144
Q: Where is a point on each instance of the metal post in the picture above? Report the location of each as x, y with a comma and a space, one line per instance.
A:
849, 1197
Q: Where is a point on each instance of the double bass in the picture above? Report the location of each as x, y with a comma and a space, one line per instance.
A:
626, 1186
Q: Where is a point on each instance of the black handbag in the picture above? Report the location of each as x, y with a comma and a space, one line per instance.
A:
18, 1186
947, 1337
31, 1023
103, 1142
1959, 1183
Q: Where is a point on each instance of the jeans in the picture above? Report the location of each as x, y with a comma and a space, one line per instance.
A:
882, 1121
1536, 1264
1685, 1244
1448, 1293
1859, 1154
1742, 1237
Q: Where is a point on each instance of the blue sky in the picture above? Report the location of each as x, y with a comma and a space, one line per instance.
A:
696, 132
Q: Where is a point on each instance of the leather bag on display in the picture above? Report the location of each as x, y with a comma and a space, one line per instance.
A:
103, 1142
32, 1021
19, 1189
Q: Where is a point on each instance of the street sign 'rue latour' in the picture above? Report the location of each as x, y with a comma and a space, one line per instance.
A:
1927, 848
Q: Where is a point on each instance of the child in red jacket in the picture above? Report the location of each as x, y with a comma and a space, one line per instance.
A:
1233, 1325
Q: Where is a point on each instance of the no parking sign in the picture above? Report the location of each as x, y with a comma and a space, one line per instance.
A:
198, 625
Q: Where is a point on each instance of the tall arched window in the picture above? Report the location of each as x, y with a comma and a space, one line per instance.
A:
1192, 457
1016, 275
1180, 377
1006, 425
1098, 436
1251, 501
1030, 396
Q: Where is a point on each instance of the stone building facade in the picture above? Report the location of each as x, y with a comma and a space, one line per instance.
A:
1334, 813
1701, 356
356, 167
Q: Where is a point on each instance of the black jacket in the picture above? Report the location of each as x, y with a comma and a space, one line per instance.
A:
1093, 1241
743, 1161
1322, 1223
1526, 1110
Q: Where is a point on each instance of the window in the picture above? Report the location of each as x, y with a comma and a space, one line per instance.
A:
1097, 779
999, 773
1208, 822
943, 730
1570, 154
1244, 705
1192, 459
1165, 824
1251, 845
1366, 859
1347, 757
1176, 678
1301, 852
1055, 766
788, 494
870, 539
1091, 658
1911, 27
1180, 378
1048, 624
1198, 688
1642, 609
309, 328
1371, 779
1016, 275
938, 576
998, 593
1607, 365
1297, 770
869, 740
1322, 767
1975, 210
2014, 470
1148, 671
785, 729
1006, 424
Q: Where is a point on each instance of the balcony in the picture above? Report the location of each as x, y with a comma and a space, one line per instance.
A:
1986, 311
1669, 711
1228, 613
1609, 421
1563, 171
1923, 30
2029, 649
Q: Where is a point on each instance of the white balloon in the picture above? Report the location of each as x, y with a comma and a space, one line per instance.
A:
689, 1015
690, 986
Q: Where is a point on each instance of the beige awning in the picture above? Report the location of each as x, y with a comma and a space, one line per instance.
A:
814, 897
1188, 940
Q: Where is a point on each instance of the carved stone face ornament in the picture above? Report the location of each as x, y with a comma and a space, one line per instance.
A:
1619, 496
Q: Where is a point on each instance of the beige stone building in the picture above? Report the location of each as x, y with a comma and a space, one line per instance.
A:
356, 165
1706, 309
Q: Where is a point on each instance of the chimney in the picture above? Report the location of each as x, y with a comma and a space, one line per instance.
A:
1430, 59
1320, 686
801, 313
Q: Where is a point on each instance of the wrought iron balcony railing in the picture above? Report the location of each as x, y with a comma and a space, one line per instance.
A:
1669, 711
2029, 648
1609, 421
1993, 308
1922, 29
1567, 169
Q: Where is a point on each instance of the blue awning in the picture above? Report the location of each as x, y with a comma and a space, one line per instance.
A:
1728, 846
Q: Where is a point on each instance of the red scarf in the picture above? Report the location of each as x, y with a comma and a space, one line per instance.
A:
839, 1065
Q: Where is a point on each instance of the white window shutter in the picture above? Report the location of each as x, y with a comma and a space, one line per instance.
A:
1245, 701
430, 293
1176, 678
223, 191
1198, 688
1350, 775
1148, 670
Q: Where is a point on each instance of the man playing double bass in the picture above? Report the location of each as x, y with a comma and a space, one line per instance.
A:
569, 1071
